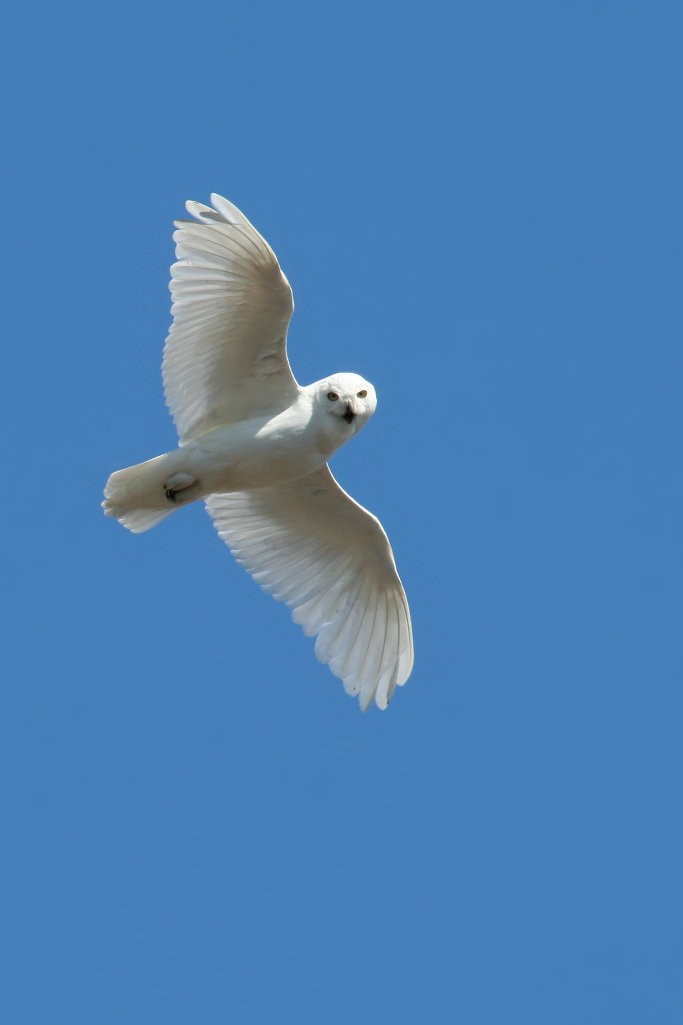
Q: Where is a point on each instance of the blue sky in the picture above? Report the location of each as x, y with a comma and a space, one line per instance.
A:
479, 209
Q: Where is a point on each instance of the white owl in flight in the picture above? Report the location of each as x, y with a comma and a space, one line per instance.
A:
254, 446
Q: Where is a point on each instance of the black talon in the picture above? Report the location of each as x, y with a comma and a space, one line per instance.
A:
170, 494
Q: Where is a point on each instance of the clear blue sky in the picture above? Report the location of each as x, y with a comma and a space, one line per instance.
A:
479, 208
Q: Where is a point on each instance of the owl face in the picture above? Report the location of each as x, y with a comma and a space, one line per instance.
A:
347, 396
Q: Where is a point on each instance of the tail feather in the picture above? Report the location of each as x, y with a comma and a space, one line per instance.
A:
136, 495
138, 520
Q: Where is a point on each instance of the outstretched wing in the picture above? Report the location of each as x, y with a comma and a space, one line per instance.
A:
225, 357
310, 545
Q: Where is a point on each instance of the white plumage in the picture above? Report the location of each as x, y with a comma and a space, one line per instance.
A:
254, 445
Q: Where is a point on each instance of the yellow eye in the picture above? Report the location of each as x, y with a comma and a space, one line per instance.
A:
362, 394
332, 396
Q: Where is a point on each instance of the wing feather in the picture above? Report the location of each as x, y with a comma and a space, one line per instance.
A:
225, 357
310, 545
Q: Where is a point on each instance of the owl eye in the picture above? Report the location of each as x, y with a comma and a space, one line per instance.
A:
362, 394
332, 396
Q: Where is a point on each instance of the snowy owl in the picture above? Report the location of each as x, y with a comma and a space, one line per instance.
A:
254, 446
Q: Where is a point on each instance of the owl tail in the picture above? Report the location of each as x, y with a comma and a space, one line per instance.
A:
143, 495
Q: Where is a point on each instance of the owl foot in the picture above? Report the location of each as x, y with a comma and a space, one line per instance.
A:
180, 487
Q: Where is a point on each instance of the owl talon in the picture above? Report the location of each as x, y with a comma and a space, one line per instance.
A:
180, 486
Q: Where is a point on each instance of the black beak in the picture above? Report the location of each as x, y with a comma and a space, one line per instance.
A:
349, 415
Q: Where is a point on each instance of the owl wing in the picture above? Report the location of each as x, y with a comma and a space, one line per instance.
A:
310, 545
225, 357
